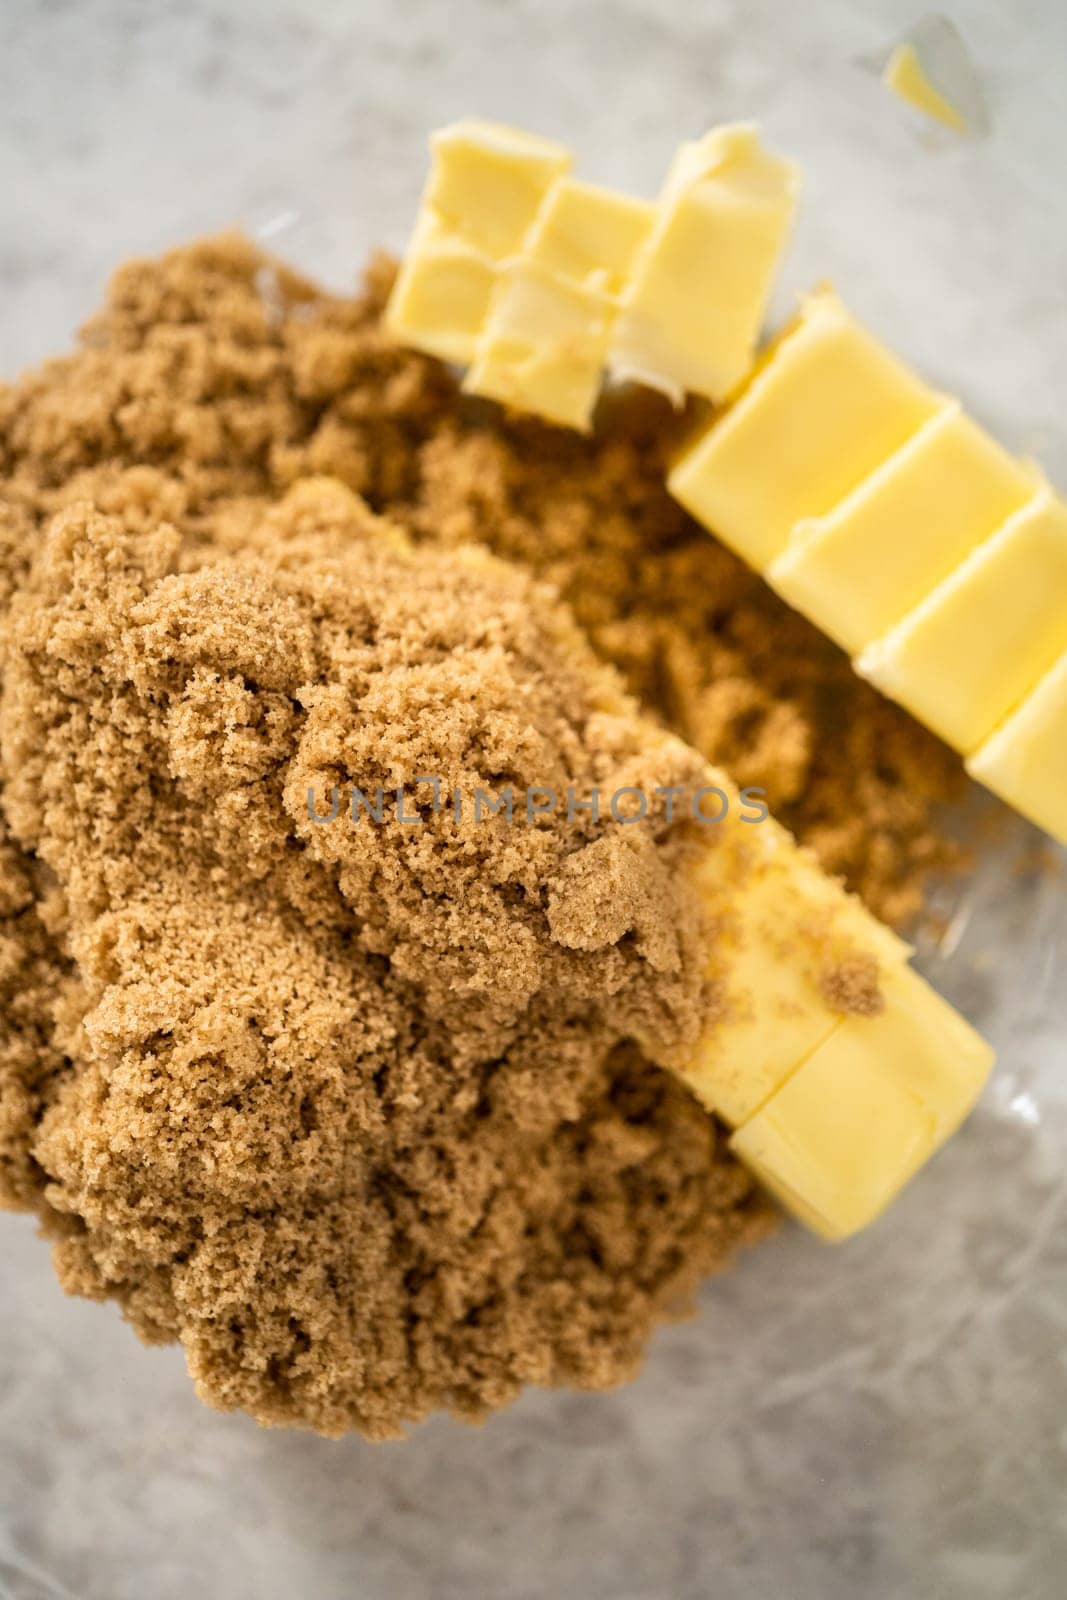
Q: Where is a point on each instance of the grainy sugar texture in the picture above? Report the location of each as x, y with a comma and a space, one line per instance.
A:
354, 1110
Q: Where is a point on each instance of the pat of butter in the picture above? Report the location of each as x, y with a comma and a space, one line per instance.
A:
867, 1108
543, 347
826, 408
783, 924
487, 182
692, 311
589, 235
1025, 760
972, 648
442, 293
859, 569
485, 188
905, 76
832, 1112
545, 340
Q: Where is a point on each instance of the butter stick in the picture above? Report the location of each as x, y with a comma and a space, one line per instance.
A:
880, 511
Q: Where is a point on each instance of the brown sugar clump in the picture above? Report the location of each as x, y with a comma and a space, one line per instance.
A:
349, 1107
852, 987
353, 1109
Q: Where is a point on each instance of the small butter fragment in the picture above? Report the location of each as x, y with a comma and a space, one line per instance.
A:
485, 187
867, 1108
784, 926
543, 347
1025, 760
692, 311
971, 650
905, 76
589, 235
859, 569
827, 407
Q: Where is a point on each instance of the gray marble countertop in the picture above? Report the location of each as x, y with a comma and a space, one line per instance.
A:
886, 1419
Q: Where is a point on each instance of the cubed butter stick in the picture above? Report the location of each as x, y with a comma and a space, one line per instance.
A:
692, 311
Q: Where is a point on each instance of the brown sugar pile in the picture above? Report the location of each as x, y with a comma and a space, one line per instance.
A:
353, 1109
350, 1107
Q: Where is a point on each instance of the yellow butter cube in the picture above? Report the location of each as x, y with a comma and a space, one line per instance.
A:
1025, 760
783, 926
543, 346
859, 569
442, 293
693, 309
867, 1108
975, 646
589, 235
485, 188
545, 339
487, 182
827, 407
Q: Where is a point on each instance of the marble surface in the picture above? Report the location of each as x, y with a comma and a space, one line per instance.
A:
886, 1419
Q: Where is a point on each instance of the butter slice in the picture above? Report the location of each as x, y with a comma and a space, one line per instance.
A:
827, 407
543, 347
1025, 760
545, 341
867, 1108
905, 76
692, 311
782, 925
859, 569
972, 649
442, 294
589, 235
487, 182
485, 188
